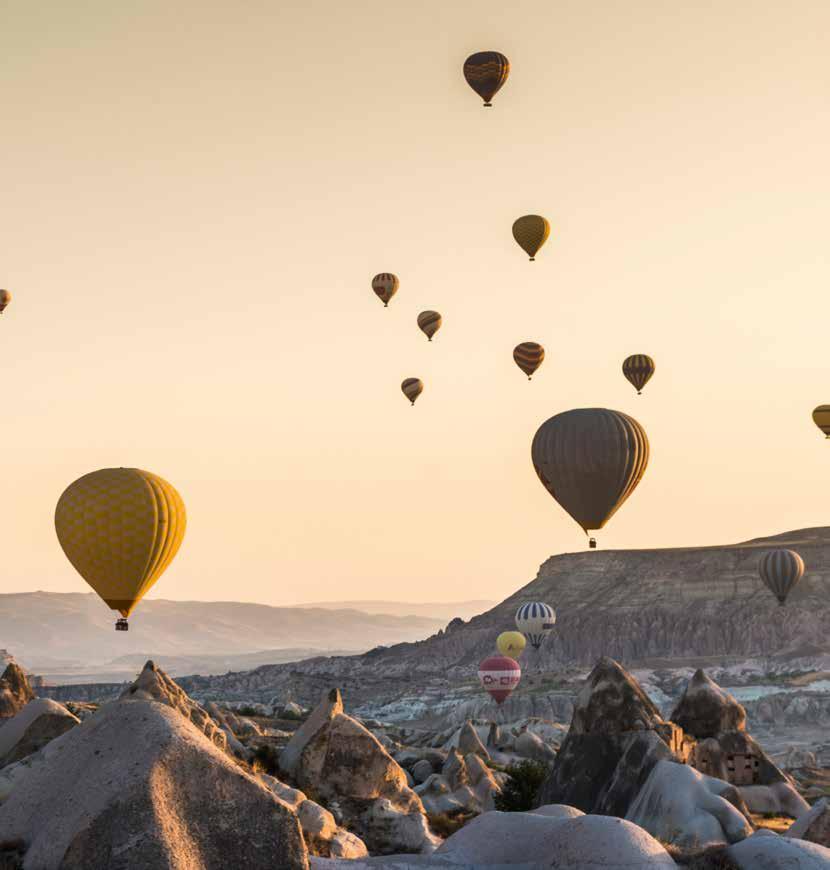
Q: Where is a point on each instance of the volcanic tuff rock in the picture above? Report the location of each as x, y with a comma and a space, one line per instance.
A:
705, 709
631, 605
138, 785
15, 691
39, 722
337, 758
814, 825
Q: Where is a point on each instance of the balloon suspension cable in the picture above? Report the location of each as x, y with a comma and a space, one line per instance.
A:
122, 625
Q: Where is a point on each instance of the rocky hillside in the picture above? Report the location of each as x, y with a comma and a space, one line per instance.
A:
641, 607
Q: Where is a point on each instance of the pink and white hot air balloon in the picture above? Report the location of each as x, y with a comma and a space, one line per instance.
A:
499, 675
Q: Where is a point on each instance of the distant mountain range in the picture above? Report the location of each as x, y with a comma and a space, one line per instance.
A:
434, 610
67, 635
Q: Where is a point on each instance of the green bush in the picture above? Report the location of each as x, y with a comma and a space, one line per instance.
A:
266, 759
519, 792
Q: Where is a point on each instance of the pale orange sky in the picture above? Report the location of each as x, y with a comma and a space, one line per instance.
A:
195, 197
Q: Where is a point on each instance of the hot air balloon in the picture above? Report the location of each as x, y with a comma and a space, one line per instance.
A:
486, 72
590, 460
511, 643
499, 675
531, 232
528, 356
385, 285
781, 570
638, 370
412, 388
821, 417
429, 322
120, 528
5, 298
535, 620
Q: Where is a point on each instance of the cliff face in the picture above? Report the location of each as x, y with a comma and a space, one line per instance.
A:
631, 605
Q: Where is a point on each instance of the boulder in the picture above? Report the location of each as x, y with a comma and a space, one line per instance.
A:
421, 770
325, 837
764, 849
705, 709
438, 798
813, 825
557, 811
529, 745
335, 757
469, 741
779, 799
38, 723
139, 785
153, 684
582, 842
681, 806
15, 691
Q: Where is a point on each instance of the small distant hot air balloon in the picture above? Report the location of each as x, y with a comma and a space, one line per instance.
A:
590, 460
5, 298
638, 370
781, 570
499, 675
821, 417
385, 285
412, 388
486, 72
120, 528
531, 232
429, 322
511, 643
536, 621
528, 356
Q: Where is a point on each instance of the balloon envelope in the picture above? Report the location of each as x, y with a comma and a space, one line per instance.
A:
528, 356
821, 417
638, 370
781, 570
5, 298
412, 388
590, 460
429, 322
531, 232
499, 675
486, 72
511, 643
385, 285
120, 528
535, 620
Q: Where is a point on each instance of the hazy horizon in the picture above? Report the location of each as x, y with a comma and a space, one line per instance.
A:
197, 197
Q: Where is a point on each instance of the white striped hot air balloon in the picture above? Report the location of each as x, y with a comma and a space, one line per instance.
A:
781, 570
535, 620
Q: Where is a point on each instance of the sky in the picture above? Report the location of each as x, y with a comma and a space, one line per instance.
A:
195, 197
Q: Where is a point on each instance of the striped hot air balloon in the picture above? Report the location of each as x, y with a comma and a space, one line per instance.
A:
535, 620
412, 388
531, 232
486, 72
385, 285
638, 370
528, 356
821, 417
5, 298
590, 460
781, 570
429, 322
499, 675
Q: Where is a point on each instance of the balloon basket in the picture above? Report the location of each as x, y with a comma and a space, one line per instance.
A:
592, 543
122, 625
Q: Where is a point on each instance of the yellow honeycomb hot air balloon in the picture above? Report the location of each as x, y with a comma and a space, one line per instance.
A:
821, 417
120, 528
511, 643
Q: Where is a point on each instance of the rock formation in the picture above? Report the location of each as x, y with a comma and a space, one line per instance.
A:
678, 805
341, 761
38, 723
616, 737
139, 785
15, 691
764, 849
814, 825
705, 710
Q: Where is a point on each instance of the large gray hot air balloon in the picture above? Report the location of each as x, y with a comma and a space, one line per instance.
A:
590, 460
781, 570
